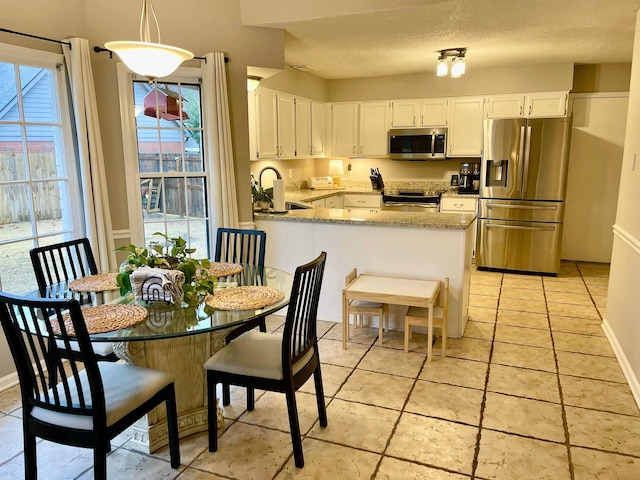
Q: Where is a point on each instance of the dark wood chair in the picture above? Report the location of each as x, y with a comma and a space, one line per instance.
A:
246, 247
274, 362
96, 402
57, 265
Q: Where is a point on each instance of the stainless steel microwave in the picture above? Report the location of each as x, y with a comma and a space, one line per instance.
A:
417, 143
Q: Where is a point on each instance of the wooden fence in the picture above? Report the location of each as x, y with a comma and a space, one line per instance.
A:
14, 199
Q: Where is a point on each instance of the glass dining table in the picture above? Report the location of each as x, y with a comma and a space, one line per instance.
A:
179, 338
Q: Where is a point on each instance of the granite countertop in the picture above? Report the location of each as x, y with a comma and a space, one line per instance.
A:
356, 216
308, 195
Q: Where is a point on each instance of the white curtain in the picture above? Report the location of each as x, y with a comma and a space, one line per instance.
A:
90, 156
217, 141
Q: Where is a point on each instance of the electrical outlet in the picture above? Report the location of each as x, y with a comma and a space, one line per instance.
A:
291, 173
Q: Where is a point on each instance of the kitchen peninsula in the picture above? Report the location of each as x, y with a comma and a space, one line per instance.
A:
385, 243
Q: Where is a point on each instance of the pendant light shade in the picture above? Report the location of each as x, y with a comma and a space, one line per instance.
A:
442, 70
145, 58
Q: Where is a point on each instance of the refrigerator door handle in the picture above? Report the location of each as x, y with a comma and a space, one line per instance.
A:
521, 207
527, 148
518, 227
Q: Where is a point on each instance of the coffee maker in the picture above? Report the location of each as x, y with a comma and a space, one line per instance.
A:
469, 178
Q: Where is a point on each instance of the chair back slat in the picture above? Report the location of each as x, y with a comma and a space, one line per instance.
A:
50, 376
58, 264
243, 246
299, 334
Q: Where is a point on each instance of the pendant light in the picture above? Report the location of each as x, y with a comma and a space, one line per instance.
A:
145, 58
457, 62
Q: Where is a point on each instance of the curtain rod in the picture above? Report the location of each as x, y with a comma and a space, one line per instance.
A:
100, 49
34, 36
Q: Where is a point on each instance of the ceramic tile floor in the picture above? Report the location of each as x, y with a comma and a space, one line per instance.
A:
532, 391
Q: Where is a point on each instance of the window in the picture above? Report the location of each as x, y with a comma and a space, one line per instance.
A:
171, 173
38, 181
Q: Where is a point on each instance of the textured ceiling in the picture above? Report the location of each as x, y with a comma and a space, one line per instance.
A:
400, 40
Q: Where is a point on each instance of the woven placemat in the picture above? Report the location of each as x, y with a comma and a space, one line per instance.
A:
100, 282
223, 269
105, 318
244, 298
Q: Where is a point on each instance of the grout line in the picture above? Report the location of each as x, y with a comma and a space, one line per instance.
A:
565, 423
483, 404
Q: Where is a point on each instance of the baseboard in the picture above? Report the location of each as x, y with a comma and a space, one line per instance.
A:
8, 381
632, 380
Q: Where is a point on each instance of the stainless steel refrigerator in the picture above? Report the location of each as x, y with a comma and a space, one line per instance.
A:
522, 189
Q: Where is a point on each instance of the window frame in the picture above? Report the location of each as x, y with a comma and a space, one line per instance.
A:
130, 150
75, 207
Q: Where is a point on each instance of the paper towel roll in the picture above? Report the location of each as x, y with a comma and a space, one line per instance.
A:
278, 196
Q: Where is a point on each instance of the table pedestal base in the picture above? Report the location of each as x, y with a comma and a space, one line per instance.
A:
184, 357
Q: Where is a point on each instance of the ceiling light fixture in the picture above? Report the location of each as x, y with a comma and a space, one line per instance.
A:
145, 58
457, 62
252, 82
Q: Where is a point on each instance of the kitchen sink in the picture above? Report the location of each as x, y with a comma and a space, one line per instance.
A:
296, 206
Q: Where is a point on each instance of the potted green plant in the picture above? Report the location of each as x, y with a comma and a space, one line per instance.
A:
174, 255
262, 197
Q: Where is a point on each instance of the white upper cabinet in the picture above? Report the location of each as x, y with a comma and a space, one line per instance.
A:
433, 112
430, 112
465, 127
374, 129
532, 105
505, 106
344, 129
548, 104
405, 113
284, 126
303, 127
274, 125
318, 127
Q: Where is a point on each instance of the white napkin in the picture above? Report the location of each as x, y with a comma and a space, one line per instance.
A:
157, 284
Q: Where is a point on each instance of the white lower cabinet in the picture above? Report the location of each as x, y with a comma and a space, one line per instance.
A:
460, 204
334, 201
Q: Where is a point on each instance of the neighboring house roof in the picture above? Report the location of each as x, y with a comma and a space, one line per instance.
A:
29, 77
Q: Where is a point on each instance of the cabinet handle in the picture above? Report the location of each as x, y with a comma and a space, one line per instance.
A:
361, 149
458, 205
354, 149
521, 107
414, 120
530, 108
422, 120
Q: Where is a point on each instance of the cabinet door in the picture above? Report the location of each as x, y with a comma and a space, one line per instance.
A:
317, 203
286, 126
303, 128
505, 106
334, 201
253, 146
433, 112
344, 129
465, 127
550, 104
317, 129
266, 124
374, 128
404, 113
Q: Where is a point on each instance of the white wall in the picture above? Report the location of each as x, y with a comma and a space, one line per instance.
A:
622, 322
593, 177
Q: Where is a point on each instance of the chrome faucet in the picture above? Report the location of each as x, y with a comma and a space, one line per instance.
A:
278, 176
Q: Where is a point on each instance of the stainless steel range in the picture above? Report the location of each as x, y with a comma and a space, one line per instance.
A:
412, 201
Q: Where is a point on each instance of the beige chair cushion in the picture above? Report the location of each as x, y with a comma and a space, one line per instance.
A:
254, 354
126, 387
